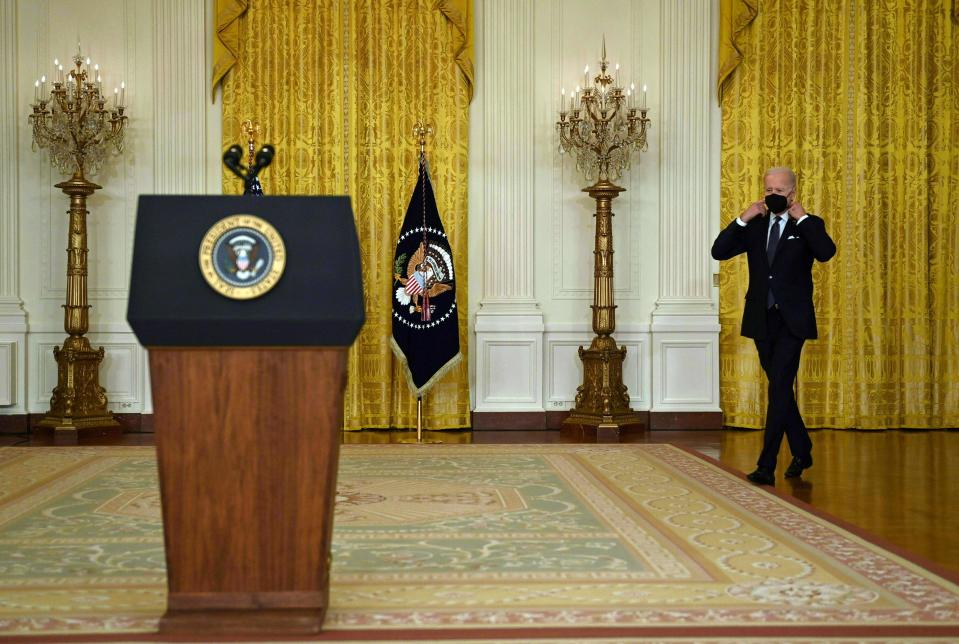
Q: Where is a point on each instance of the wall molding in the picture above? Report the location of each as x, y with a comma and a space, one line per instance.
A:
9, 361
13, 317
689, 211
508, 353
508, 144
685, 364
10, 121
180, 100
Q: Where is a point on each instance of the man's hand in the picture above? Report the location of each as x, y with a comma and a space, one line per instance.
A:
796, 211
755, 210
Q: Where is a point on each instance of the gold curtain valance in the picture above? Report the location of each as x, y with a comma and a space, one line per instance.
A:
460, 14
226, 38
734, 17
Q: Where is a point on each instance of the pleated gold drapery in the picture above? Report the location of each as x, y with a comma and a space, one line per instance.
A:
862, 100
336, 86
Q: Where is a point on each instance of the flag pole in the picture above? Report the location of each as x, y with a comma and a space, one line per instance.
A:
421, 131
419, 419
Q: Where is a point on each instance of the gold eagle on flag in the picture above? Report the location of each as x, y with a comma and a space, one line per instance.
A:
425, 275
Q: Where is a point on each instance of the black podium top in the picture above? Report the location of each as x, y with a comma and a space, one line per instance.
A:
317, 301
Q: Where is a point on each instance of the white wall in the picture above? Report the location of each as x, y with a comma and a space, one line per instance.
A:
160, 48
531, 226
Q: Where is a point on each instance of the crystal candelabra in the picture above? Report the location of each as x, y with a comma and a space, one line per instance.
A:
602, 128
75, 121
606, 126
76, 124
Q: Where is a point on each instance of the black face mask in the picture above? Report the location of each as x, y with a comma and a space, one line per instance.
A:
776, 203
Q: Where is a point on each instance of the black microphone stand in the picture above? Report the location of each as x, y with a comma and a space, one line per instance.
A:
231, 159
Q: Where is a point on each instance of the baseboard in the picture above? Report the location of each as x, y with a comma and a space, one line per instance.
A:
518, 420
507, 420
137, 423
526, 420
14, 423
554, 419
686, 420
24, 423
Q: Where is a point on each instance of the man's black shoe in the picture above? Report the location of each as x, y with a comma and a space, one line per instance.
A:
797, 466
762, 477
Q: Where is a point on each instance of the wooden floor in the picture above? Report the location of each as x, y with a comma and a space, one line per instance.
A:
902, 486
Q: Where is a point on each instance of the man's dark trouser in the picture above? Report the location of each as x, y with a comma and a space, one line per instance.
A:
779, 356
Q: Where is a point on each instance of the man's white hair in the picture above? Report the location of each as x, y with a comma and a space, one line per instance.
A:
781, 170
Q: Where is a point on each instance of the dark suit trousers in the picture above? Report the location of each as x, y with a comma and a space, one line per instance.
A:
779, 356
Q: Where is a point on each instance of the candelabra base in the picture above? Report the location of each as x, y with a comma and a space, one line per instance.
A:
78, 401
602, 401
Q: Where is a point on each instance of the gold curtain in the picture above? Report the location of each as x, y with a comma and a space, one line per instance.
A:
861, 99
226, 38
336, 86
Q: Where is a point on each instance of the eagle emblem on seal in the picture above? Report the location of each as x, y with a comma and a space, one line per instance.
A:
427, 274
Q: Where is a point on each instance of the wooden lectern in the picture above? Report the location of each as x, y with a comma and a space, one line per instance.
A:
248, 402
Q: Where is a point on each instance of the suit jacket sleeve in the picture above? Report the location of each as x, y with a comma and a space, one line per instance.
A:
813, 231
730, 242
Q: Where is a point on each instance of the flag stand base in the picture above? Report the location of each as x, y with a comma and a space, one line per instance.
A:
419, 428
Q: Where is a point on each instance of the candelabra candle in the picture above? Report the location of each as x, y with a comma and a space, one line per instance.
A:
603, 129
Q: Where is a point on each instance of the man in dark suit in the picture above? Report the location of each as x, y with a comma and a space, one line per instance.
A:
780, 240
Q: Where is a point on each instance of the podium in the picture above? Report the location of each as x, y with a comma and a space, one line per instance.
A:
247, 307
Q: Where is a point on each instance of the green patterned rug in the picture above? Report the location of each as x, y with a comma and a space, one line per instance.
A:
483, 540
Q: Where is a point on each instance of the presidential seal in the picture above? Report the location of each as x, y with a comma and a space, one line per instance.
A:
242, 257
422, 279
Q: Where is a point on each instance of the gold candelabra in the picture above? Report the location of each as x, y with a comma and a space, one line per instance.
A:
78, 127
602, 128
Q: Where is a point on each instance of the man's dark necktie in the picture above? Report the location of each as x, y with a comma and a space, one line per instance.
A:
771, 255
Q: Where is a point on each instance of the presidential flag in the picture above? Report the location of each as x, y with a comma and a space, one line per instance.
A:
425, 320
